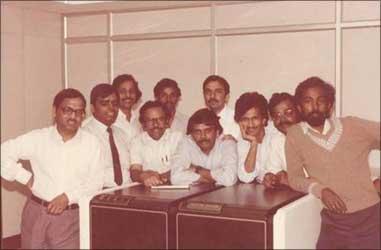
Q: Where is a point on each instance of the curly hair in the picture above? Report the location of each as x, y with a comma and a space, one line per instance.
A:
313, 82
250, 100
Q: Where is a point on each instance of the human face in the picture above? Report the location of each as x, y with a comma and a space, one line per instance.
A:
69, 115
204, 136
106, 109
169, 98
253, 123
155, 122
315, 107
215, 96
284, 115
127, 94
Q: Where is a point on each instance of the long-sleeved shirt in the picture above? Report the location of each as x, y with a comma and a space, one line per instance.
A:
72, 167
153, 154
276, 159
98, 129
263, 151
337, 159
228, 123
131, 128
179, 123
221, 161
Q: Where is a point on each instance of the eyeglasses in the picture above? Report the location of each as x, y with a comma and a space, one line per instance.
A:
69, 111
286, 113
160, 120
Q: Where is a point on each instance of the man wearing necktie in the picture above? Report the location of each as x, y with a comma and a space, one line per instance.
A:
104, 101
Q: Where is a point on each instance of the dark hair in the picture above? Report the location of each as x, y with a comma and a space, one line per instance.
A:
219, 79
147, 105
67, 93
250, 100
124, 78
102, 90
204, 116
313, 82
277, 98
166, 83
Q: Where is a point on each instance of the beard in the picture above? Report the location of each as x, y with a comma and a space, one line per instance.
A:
315, 118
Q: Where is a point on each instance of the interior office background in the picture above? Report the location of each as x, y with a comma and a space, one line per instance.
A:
264, 46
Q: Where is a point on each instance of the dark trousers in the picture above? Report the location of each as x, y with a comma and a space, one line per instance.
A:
358, 230
40, 230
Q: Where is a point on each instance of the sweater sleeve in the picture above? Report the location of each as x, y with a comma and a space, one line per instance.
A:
295, 164
370, 129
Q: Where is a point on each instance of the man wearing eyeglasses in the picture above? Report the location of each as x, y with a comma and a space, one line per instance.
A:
152, 151
204, 156
66, 166
284, 114
104, 99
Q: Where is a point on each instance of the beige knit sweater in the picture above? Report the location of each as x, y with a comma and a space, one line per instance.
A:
338, 160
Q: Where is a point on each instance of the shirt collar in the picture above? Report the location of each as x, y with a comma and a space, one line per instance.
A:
99, 125
122, 116
223, 112
305, 127
58, 137
148, 139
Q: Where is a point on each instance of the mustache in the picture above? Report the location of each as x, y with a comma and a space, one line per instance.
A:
202, 141
285, 123
127, 98
212, 100
315, 113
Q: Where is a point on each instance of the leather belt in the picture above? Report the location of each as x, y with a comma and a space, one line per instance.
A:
45, 203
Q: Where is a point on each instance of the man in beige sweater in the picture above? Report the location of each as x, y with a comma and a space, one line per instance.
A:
334, 152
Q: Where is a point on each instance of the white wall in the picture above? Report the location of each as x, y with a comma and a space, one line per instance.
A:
31, 74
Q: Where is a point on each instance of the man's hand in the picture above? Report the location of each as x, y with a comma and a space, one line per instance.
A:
283, 177
164, 177
246, 136
270, 180
332, 201
151, 178
29, 184
376, 184
58, 204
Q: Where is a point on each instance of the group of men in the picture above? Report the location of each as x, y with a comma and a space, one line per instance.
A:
302, 146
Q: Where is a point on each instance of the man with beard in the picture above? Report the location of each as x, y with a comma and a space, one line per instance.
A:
66, 166
216, 92
129, 94
284, 114
334, 152
152, 151
104, 101
251, 113
203, 156
168, 93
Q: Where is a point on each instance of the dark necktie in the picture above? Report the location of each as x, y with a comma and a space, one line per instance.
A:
115, 159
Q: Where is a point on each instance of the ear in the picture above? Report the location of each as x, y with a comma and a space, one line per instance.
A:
92, 108
54, 114
299, 108
331, 108
227, 97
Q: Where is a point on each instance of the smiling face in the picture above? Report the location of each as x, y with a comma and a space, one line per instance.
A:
128, 95
215, 96
315, 106
105, 109
169, 98
205, 136
284, 115
69, 115
155, 122
253, 122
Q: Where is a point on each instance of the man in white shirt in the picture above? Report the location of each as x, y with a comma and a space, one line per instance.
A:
65, 161
129, 94
216, 92
284, 113
104, 100
251, 114
152, 150
168, 93
203, 156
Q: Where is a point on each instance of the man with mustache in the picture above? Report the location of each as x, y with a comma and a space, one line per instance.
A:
251, 113
152, 151
104, 101
168, 93
216, 92
334, 152
66, 166
203, 155
129, 94
284, 114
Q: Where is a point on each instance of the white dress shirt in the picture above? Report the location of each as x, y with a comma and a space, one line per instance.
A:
228, 123
263, 151
276, 160
180, 122
72, 167
131, 128
153, 154
221, 161
100, 131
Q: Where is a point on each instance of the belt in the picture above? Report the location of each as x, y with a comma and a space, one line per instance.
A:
45, 203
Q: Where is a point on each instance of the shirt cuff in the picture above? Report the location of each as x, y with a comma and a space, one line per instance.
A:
315, 189
23, 175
